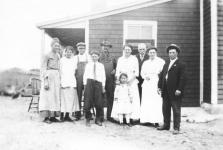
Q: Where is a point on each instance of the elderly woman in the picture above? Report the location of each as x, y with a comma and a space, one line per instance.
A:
151, 105
49, 104
129, 64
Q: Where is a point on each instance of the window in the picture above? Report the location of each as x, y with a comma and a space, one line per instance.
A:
136, 32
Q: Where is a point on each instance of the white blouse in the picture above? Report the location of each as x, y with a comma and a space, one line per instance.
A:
68, 67
99, 73
128, 65
152, 68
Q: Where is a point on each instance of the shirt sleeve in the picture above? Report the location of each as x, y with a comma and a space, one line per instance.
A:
85, 74
136, 66
143, 70
44, 67
118, 69
103, 75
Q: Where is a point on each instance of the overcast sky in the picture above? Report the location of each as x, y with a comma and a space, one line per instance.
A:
20, 39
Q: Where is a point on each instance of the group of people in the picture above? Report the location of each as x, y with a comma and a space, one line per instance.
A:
138, 88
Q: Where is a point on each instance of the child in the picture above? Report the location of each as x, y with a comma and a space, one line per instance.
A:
69, 98
123, 100
94, 85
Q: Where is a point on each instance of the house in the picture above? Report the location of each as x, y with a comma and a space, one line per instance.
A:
194, 25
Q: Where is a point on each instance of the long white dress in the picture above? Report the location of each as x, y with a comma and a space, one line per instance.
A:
131, 68
69, 98
151, 104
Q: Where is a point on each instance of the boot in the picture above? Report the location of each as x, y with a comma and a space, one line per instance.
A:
62, 117
67, 118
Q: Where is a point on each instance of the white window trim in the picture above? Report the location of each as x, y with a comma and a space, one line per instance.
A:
140, 22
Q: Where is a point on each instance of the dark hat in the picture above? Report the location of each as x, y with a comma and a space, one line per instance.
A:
106, 43
173, 46
80, 44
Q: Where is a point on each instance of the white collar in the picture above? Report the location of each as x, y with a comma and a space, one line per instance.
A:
173, 60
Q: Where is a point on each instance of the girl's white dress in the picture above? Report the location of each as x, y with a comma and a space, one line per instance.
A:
151, 104
69, 98
123, 103
130, 66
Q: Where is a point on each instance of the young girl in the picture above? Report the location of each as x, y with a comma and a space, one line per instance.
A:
122, 100
69, 98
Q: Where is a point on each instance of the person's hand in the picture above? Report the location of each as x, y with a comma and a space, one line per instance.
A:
178, 93
117, 82
159, 91
113, 72
46, 87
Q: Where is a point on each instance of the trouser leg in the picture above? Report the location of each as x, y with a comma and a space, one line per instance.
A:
176, 106
166, 111
89, 93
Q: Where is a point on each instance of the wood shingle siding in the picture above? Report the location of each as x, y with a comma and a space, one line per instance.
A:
178, 22
220, 51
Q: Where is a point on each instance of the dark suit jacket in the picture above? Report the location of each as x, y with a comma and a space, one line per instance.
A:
176, 79
146, 57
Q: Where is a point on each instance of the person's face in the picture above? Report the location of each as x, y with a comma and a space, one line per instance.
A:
81, 50
95, 57
68, 53
127, 51
123, 79
56, 47
142, 50
173, 54
105, 49
152, 53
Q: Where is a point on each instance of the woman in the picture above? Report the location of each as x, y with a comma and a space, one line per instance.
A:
69, 98
49, 104
151, 105
129, 64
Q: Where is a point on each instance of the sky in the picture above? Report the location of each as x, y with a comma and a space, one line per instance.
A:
20, 38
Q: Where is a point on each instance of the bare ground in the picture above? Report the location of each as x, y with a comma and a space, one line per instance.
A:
20, 130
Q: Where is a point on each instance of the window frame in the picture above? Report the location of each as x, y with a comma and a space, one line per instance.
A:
154, 24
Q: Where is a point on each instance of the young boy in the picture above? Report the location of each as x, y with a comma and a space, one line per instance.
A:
94, 85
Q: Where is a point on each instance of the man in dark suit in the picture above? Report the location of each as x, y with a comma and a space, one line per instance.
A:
141, 56
171, 85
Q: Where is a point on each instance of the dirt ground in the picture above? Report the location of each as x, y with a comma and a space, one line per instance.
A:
20, 130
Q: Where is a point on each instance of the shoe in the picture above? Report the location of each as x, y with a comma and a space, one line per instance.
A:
47, 120
163, 128
68, 119
53, 119
61, 118
175, 132
156, 125
99, 123
77, 119
88, 123
129, 124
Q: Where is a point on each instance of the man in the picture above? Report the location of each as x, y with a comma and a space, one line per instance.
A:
171, 85
110, 64
82, 59
141, 56
94, 85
